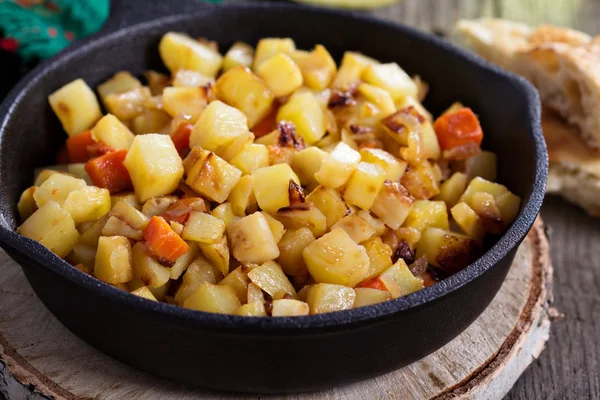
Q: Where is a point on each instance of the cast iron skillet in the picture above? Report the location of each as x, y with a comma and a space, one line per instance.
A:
262, 354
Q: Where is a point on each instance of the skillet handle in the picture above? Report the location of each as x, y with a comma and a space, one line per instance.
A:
125, 13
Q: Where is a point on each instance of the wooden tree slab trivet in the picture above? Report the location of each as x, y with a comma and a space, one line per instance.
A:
40, 359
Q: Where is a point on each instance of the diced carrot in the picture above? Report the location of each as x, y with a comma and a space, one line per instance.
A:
458, 128
180, 210
181, 137
109, 172
62, 157
267, 125
162, 241
98, 149
374, 283
77, 146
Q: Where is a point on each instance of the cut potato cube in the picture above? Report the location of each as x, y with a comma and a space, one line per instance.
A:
145, 293
421, 181
351, 69
367, 297
128, 198
289, 308
128, 105
210, 175
312, 218
225, 213
268, 47
251, 158
57, 188
156, 81
281, 74
239, 54
91, 235
277, 228
324, 298
393, 167
305, 112
483, 165
242, 196
380, 257
87, 204
410, 236
158, 205
430, 147
448, 250
238, 145
53, 227
240, 88
391, 78
335, 258
218, 126
393, 204
485, 207
364, 185
115, 227
378, 97
237, 280
270, 278
179, 51
113, 133
399, 281
189, 101
452, 189
154, 166
125, 212
203, 228
468, 221
318, 68
78, 171
376, 223
121, 82
306, 164
330, 203
291, 246
357, 228
26, 205
191, 79
114, 260
219, 299
145, 268
42, 175
198, 273
252, 240
184, 261
272, 186
217, 254
255, 294
83, 254
509, 205
425, 214
338, 166
252, 309
76, 107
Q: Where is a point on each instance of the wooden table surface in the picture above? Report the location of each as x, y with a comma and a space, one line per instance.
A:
569, 368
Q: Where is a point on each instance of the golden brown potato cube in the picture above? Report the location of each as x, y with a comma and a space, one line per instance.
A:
380, 98
210, 175
219, 299
252, 309
485, 207
241, 89
191, 79
380, 257
225, 213
203, 228
128, 105
154, 166
121, 82
272, 185
255, 294
425, 214
83, 254
357, 228
156, 81
146, 269
367, 297
198, 273
238, 145
430, 147
268, 47
325, 297
312, 218
113, 260
91, 235
306, 164
277, 228
217, 254
76, 107
115, 227
399, 281
318, 68
335, 258
468, 221
42, 175
421, 181
338, 166
281, 74
189, 101
393, 204
53, 227
128, 198
409, 235
145, 293
391, 78
242, 196
78, 171
26, 205
291, 246
377, 224
448, 250
151, 121
482, 165
305, 112
239, 54
237, 280
57, 188
393, 167
252, 240
179, 51
289, 308
251, 158
480, 185
330, 203
218, 126
270, 278
125, 212
364, 185
504, 201
509, 205
184, 261
87, 204
351, 69
452, 189
113, 133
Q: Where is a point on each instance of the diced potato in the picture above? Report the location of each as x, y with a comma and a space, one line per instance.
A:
468, 221
91, 235
268, 47
452, 189
311, 218
237, 280
393, 167
76, 107
125, 212
291, 246
114, 260
281, 74
87, 204
179, 51
364, 185
482, 165
128, 198
242, 196
351, 69
368, 297
146, 269
324, 297
289, 308
219, 299
190, 101
330, 203
409, 235
184, 261
154, 166
44, 174
115, 227
338, 166
190, 79
240, 88
306, 164
377, 224
217, 254
128, 105
380, 257
430, 147
252, 240
399, 281
238, 145
156, 81
203, 228
425, 214
26, 205
57, 188
239, 54
78, 171
255, 294
218, 126
391, 78
121, 82
113, 133
53, 227
83, 254
485, 207
378, 97
252, 309
318, 68
251, 158
357, 228
421, 181
305, 112
270, 278
157, 205
210, 175
448, 250
272, 186
277, 228
145, 293
198, 273
225, 213
335, 258
393, 204
509, 205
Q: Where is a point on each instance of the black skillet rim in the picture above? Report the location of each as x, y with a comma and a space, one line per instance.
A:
313, 323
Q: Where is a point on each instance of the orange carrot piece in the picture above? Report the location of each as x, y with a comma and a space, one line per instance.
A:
374, 283
180, 210
181, 137
458, 128
98, 149
109, 172
162, 241
77, 146
62, 157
